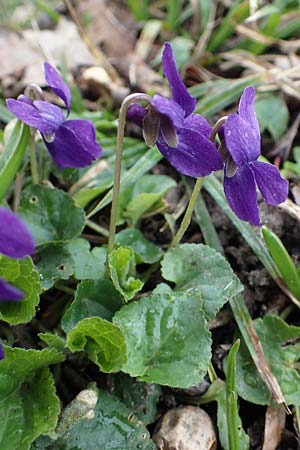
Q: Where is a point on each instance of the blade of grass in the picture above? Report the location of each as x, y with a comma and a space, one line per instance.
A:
220, 94
238, 12
232, 399
12, 156
143, 165
283, 261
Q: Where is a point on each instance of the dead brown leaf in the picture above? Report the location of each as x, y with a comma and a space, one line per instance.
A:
274, 426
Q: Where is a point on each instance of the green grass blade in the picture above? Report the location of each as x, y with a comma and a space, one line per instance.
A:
237, 13
143, 165
283, 261
219, 94
232, 399
12, 156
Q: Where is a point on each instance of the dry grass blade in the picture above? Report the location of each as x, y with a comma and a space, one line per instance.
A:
291, 208
284, 145
256, 36
247, 329
92, 48
274, 426
204, 38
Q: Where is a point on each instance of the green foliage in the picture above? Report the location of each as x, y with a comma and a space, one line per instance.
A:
59, 261
93, 298
217, 392
111, 428
144, 196
282, 350
292, 168
53, 340
122, 270
88, 264
145, 251
141, 398
283, 261
51, 215
54, 262
21, 274
145, 163
139, 8
272, 114
160, 331
12, 156
201, 272
232, 399
102, 340
29, 406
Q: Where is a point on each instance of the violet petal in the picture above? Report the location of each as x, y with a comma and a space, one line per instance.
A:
57, 84
198, 123
240, 192
179, 91
136, 113
170, 109
246, 108
25, 99
274, 189
9, 293
195, 155
241, 139
2, 354
52, 113
30, 115
15, 239
74, 144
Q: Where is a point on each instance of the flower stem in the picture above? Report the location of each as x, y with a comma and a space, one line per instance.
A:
33, 162
188, 213
198, 185
132, 98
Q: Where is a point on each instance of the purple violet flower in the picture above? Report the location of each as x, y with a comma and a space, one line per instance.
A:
1, 352
71, 143
181, 136
15, 242
243, 173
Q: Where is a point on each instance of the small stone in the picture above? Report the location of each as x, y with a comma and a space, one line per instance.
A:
185, 428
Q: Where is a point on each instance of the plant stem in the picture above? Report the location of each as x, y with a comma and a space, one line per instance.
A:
94, 226
198, 185
132, 98
211, 373
33, 162
188, 213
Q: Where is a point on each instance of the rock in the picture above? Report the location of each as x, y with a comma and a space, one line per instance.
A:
186, 428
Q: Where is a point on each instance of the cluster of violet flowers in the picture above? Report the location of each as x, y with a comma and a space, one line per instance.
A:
184, 138
187, 142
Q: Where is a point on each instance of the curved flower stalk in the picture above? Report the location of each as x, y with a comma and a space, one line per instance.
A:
181, 136
243, 173
15, 242
71, 143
